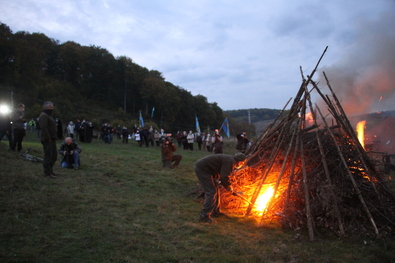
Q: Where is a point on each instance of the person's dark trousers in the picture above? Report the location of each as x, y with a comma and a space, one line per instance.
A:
211, 191
176, 159
18, 135
50, 156
9, 137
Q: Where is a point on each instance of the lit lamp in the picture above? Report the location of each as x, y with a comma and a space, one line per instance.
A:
4, 109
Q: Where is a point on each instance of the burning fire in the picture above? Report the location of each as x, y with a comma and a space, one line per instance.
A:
309, 118
361, 132
263, 199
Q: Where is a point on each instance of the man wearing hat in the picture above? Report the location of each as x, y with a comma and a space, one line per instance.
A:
210, 170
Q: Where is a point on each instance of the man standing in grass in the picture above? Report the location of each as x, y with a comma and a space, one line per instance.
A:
210, 170
18, 127
48, 139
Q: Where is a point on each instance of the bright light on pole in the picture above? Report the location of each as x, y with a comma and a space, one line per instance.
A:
4, 109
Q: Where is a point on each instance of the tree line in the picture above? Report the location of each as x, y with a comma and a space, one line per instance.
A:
89, 82
253, 115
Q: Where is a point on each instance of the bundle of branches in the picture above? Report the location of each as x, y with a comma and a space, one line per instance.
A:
319, 172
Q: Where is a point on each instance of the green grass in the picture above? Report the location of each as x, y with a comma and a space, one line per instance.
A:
122, 206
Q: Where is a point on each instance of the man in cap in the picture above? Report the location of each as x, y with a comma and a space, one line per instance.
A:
210, 170
48, 138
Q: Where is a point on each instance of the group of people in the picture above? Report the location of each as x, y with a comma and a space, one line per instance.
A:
107, 133
212, 171
142, 135
69, 149
13, 125
204, 141
80, 130
148, 136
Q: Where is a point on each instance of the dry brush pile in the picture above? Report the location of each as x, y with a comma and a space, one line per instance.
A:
317, 170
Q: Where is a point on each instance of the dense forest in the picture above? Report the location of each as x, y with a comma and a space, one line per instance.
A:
88, 82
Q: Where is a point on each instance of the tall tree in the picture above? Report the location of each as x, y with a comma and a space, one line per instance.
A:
7, 54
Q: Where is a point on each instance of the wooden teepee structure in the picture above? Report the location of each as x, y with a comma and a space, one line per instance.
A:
317, 170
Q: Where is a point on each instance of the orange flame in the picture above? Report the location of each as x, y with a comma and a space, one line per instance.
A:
361, 132
309, 118
263, 199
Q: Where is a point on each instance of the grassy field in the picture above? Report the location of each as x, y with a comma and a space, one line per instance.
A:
123, 206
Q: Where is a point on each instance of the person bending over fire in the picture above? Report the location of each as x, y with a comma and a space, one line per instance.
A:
210, 170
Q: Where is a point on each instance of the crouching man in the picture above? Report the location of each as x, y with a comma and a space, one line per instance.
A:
209, 170
168, 157
70, 152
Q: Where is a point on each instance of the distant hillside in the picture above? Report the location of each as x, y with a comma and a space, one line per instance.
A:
259, 117
253, 115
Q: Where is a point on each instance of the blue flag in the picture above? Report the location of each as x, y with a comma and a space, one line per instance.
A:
141, 120
197, 124
152, 113
225, 127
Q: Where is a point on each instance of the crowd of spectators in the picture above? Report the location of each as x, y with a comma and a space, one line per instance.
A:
83, 131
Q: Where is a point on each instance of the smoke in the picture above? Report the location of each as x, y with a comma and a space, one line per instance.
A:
364, 78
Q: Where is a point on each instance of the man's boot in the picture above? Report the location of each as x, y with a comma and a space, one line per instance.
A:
206, 219
217, 214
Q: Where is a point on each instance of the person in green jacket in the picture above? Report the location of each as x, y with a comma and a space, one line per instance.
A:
48, 138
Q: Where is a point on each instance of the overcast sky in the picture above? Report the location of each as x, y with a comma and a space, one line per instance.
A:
240, 54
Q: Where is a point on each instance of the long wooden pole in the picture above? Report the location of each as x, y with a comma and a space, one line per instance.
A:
326, 169
328, 179
361, 152
351, 177
280, 176
305, 180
